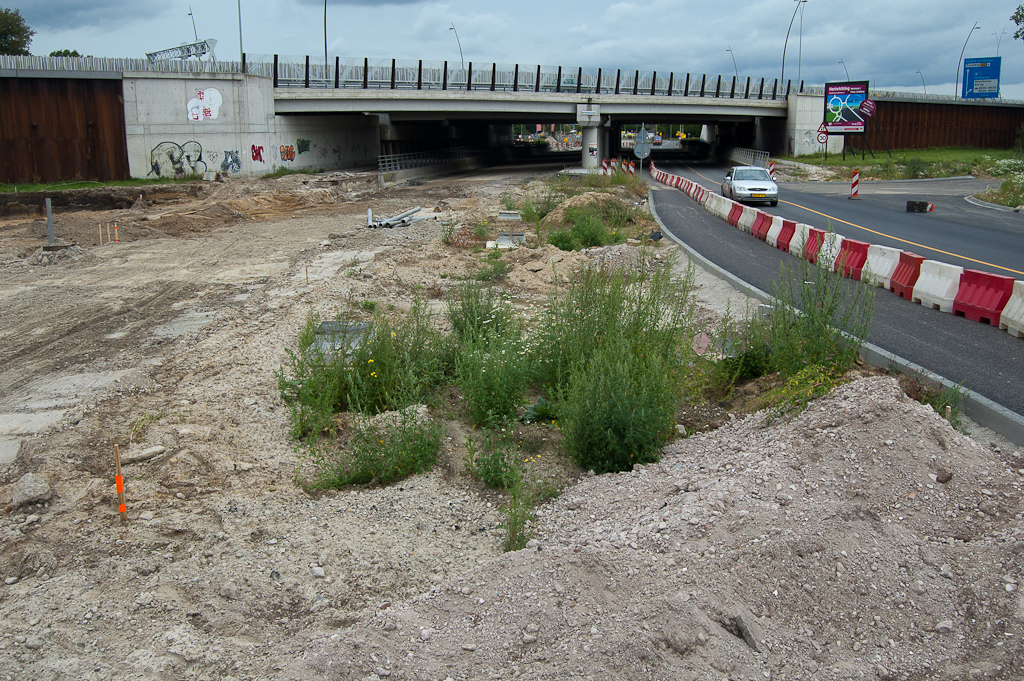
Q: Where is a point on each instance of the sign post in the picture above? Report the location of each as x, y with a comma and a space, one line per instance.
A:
642, 149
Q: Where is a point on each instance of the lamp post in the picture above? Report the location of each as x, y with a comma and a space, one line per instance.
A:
956, 86
194, 32
999, 39
733, 55
800, 44
845, 69
922, 81
460, 45
326, 68
785, 45
241, 50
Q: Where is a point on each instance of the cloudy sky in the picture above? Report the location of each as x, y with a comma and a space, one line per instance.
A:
884, 41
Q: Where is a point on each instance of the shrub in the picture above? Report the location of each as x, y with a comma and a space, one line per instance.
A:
564, 240
618, 410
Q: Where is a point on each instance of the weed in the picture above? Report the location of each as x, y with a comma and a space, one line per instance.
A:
800, 388
822, 318
492, 377
496, 462
448, 232
480, 230
494, 268
540, 412
138, 428
508, 201
478, 312
936, 396
368, 305
518, 516
390, 450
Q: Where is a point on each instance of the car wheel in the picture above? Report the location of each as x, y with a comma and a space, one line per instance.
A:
775, 202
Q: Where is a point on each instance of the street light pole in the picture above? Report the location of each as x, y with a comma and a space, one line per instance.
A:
800, 43
922, 81
785, 45
956, 86
326, 68
999, 39
241, 50
845, 69
733, 55
460, 46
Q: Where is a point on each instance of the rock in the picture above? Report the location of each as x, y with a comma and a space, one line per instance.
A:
146, 515
529, 638
749, 627
318, 572
31, 489
469, 646
944, 627
230, 591
145, 455
425, 634
34, 642
144, 598
943, 475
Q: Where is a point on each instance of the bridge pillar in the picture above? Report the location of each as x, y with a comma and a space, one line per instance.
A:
588, 116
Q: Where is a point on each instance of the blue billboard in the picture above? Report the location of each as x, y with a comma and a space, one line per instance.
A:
981, 78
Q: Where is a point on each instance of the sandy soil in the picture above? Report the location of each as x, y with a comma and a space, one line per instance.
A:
863, 539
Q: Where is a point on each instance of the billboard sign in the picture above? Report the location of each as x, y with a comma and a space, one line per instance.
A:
843, 115
981, 78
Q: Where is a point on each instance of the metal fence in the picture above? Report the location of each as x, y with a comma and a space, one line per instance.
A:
389, 163
123, 65
749, 157
406, 74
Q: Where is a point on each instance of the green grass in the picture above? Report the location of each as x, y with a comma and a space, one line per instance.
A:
915, 163
282, 171
90, 184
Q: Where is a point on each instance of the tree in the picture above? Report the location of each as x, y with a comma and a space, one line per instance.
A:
65, 53
1018, 18
15, 35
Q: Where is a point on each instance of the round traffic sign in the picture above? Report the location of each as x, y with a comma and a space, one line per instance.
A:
822, 138
642, 150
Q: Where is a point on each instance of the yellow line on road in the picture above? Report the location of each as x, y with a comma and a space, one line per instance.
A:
888, 236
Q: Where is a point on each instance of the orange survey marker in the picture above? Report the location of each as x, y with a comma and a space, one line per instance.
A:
122, 508
116, 240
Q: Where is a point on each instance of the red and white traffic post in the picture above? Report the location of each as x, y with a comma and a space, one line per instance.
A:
855, 185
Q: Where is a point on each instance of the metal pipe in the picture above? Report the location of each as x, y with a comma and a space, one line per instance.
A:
49, 221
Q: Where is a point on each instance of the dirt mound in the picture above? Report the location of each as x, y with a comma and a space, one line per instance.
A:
558, 215
864, 539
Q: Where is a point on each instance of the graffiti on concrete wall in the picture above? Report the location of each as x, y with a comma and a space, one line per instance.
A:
205, 105
257, 153
302, 145
232, 163
171, 159
288, 153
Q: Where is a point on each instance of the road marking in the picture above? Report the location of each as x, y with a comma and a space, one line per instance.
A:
887, 236
912, 243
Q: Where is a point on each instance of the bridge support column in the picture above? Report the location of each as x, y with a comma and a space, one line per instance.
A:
588, 116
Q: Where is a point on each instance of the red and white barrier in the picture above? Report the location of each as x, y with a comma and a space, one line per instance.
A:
771, 168
855, 185
798, 243
745, 223
982, 296
881, 263
772, 237
1012, 318
937, 285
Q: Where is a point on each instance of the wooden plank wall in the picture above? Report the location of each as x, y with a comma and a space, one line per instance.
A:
919, 125
56, 129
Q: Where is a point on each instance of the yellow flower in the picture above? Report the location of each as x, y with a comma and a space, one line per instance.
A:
369, 361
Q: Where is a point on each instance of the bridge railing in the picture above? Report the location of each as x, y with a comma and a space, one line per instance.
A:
390, 163
402, 74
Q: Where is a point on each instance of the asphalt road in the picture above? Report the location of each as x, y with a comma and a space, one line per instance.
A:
978, 356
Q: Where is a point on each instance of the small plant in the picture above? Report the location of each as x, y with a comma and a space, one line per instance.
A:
368, 305
138, 428
448, 232
494, 267
564, 240
541, 411
803, 386
508, 201
936, 396
518, 516
496, 462
480, 230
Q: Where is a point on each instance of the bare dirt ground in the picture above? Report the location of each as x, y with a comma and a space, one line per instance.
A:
863, 539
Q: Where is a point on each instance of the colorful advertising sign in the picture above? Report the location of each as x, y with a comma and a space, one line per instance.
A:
843, 115
981, 78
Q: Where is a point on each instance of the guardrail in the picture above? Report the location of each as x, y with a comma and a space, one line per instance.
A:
122, 65
749, 157
390, 163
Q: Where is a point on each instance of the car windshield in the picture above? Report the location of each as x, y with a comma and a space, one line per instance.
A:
752, 174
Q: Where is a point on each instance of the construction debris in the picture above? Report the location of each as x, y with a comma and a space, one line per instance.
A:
401, 220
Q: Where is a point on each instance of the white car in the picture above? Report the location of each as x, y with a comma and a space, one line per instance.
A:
750, 184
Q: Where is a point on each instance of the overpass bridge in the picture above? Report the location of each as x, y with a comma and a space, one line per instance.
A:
138, 118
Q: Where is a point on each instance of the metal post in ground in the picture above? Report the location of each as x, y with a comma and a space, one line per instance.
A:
49, 221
